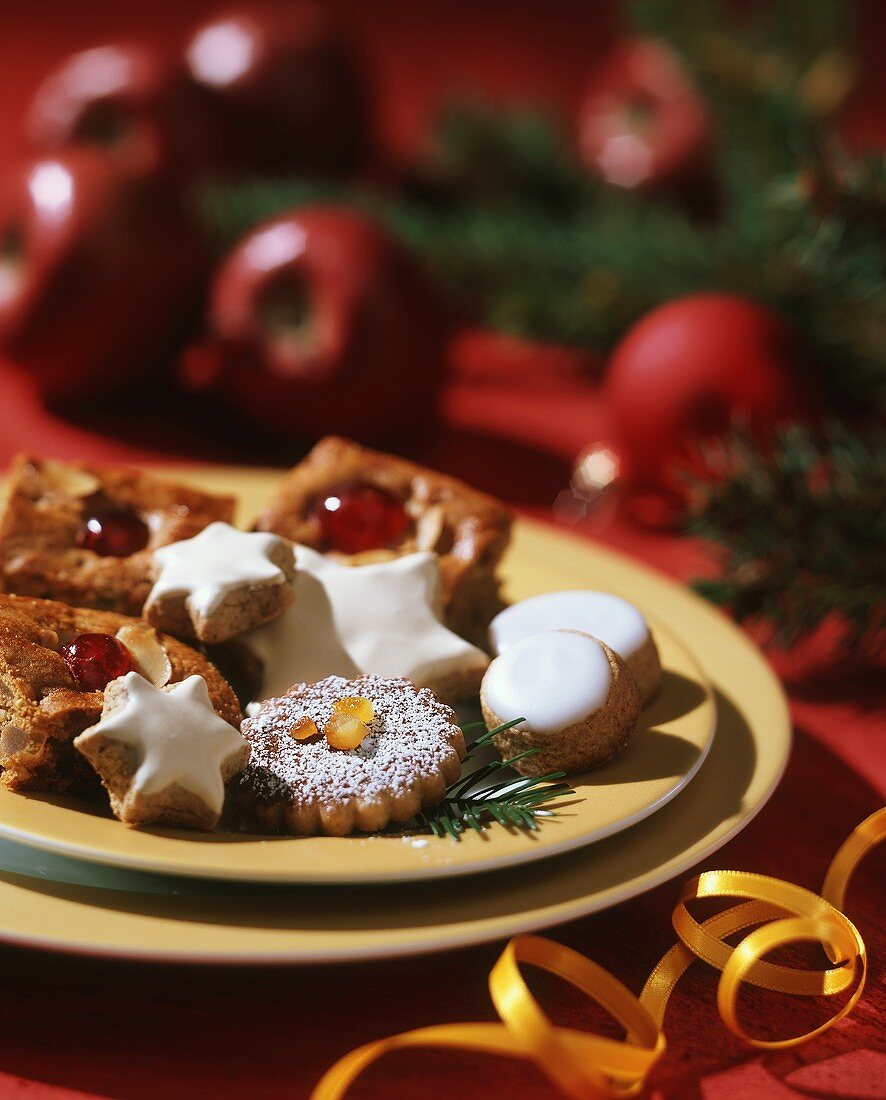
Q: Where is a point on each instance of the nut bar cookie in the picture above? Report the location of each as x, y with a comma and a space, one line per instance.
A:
340, 755
86, 534
579, 702
55, 662
163, 754
350, 501
220, 583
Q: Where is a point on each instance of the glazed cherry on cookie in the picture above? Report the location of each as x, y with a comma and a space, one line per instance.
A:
113, 533
360, 517
96, 659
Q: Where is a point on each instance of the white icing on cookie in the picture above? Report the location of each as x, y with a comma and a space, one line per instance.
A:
378, 619
177, 734
553, 679
208, 567
611, 619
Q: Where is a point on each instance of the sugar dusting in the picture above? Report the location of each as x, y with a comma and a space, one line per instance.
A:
409, 738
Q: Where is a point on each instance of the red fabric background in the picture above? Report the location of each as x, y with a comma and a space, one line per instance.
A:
78, 1027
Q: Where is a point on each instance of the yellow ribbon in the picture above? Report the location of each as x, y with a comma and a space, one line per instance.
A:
587, 1066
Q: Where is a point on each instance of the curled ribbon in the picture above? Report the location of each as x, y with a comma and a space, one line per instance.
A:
587, 1066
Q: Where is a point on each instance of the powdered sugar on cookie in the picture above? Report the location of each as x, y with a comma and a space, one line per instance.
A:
411, 736
411, 751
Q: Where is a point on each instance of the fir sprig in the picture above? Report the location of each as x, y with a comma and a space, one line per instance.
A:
800, 532
513, 803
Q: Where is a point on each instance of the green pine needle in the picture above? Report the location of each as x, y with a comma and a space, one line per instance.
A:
799, 529
513, 803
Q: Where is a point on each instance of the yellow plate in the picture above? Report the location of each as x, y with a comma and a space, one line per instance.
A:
665, 752
50, 901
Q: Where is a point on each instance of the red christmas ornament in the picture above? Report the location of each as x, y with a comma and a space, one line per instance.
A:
641, 123
322, 323
687, 369
113, 534
96, 659
99, 272
284, 88
361, 517
127, 100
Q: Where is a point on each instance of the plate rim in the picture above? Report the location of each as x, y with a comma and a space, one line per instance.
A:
504, 927
487, 928
154, 865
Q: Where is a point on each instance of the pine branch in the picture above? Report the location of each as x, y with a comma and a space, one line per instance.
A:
800, 532
513, 803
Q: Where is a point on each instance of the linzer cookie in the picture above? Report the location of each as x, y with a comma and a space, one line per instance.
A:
163, 754
578, 700
611, 619
340, 755
358, 504
55, 662
220, 583
86, 534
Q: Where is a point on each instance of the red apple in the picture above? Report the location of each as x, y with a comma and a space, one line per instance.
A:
641, 123
284, 88
126, 99
686, 370
321, 322
98, 272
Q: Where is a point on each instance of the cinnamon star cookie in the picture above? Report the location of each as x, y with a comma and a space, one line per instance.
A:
378, 619
220, 583
163, 754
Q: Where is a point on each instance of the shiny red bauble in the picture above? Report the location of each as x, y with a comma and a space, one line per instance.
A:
96, 659
320, 322
113, 534
127, 100
687, 369
283, 87
641, 124
355, 518
99, 272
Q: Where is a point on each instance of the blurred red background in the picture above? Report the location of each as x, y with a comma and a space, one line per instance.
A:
416, 53
416, 57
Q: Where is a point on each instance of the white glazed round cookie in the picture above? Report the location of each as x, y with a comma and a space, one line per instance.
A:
611, 619
579, 700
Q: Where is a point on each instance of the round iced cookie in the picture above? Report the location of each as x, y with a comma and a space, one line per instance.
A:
611, 619
578, 698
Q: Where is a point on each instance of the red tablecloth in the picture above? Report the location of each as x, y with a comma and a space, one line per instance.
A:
78, 1027
72, 1027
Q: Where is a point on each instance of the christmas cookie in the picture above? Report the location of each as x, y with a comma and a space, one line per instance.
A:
340, 755
220, 583
86, 534
162, 753
55, 662
579, 701
614, 621
361, 505
378, 619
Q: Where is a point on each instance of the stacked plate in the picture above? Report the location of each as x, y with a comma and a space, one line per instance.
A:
709, 751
